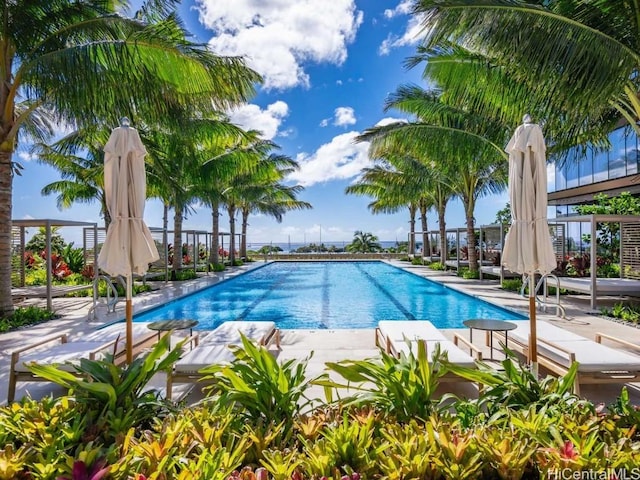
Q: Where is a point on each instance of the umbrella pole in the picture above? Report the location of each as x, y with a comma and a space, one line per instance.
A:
129, 318
533, 337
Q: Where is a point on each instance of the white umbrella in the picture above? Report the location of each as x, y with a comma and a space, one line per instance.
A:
528, 248
129, 247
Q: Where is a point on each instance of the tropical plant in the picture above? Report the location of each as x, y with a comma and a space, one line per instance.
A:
403, 387
73, 257
119, 395
259, 386
514, 386
364, 242
38, 243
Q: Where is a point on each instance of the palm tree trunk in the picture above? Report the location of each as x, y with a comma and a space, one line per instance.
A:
232, 234
243, 236
442, 226
214, 257
177, 241
425, 235
412, 229
6, 188
471, 235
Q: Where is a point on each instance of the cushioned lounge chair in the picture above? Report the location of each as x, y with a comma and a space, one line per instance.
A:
52, 351
597, 363
66, 350
262, 332
398, 336
143, 337
214, 348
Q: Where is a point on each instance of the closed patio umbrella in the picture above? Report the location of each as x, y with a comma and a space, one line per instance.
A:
129, 247
528, 248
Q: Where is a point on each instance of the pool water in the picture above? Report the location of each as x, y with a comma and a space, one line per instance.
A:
328, 295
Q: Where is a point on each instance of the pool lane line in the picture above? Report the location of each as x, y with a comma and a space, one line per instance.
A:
326, 300
245, 313
386, 293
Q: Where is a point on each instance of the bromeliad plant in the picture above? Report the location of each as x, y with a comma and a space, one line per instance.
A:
118, 395
260, 387
403, 387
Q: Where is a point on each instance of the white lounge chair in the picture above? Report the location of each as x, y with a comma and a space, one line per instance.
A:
143, 337
262, 332
398, 336
597, 363
214, 348
52, 351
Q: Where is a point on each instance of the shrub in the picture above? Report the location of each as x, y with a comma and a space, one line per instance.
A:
437, 266
183, 275
512, 284
217, 267
23, 316
471, 274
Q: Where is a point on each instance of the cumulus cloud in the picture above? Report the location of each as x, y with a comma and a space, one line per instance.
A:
279, 36
389, 121
342, 117
411, 35
403, 8
267, 121
340, 159
27, 156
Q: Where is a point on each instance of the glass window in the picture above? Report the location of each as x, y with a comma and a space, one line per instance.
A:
585, 168
632, 153
571, 168
560, 179
617, 155
600, 166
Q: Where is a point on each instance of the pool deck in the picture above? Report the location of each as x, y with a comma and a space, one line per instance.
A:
326, 345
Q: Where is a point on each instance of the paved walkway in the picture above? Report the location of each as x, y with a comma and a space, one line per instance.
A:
327, 345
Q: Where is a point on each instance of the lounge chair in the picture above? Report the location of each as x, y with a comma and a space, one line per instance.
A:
398, 336
214, 348
263, 333
597, 363
143, 337
53, 351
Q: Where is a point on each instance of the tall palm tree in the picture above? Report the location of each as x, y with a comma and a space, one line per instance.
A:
78, 62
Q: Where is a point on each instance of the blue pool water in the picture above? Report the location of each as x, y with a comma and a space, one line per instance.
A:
316, 295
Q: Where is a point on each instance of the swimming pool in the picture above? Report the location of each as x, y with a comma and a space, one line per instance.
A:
328, 295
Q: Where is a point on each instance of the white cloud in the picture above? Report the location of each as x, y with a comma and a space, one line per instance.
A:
339, 159
412, 34
252, 117
403, 8
389, 121
344, 116
279, 36
27, 156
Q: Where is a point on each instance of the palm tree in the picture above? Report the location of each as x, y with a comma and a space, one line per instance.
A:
570, 63
364, 242
387, 187
80, 63
82, 177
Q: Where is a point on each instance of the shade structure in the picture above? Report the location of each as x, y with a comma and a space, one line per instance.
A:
129, 247
528, 248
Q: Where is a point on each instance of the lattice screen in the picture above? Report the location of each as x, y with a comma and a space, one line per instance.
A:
630, 261
558, 239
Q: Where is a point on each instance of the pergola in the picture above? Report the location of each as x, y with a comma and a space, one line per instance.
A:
48, 224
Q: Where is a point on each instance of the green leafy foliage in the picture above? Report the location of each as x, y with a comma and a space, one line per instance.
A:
514, 386
437, 266
24, 316
403, 387
118, 394
73, 257
259, 386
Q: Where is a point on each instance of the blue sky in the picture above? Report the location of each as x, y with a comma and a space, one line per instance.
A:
328, 67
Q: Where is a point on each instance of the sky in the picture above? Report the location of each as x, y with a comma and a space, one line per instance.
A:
328, 67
